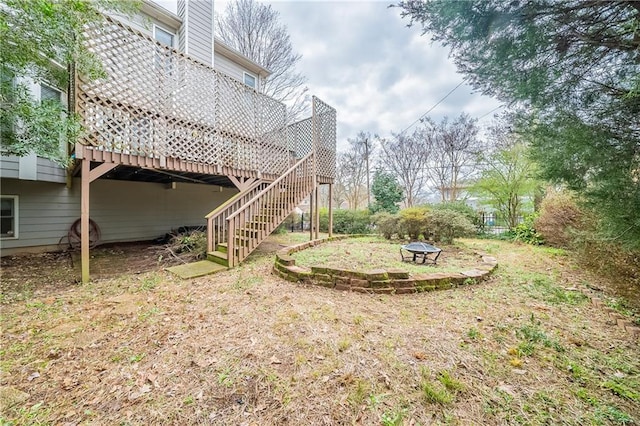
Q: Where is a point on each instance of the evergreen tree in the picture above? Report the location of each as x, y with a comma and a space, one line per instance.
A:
387, 193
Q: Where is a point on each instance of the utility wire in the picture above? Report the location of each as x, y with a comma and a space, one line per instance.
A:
495, 109
433, 107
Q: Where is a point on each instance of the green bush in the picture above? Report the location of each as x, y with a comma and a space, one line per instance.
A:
460, 207
412, 221
387, 224
292, 220
346, 221
444, 225
526, 231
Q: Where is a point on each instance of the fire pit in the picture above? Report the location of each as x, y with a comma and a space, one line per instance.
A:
419, 250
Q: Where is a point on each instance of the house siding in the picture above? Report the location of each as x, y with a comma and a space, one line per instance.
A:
49, 171
182, 46
9, 166
198, 29
124, 211
232, 69
12, 167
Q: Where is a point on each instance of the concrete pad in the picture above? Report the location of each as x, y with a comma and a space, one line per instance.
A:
196, 269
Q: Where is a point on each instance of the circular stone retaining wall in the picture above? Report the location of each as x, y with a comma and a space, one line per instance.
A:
389, 281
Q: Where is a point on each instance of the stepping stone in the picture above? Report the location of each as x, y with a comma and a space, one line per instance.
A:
196, 269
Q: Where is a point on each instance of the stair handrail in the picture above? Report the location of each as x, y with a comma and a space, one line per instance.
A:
237, 200
233, 257
274, 183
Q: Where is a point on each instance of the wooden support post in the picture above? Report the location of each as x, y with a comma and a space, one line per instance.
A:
317, 210
312, 214
331, 210
84, 219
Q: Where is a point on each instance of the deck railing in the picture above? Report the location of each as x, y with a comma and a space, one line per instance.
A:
157, 102
217, 219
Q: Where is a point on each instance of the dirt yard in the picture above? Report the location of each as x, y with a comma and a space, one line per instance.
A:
244, 347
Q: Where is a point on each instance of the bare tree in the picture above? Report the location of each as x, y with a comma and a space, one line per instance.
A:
406, 156
454, 150
254, 30
352, 170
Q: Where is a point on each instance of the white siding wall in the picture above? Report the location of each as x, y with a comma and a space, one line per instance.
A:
233, 69
124, 211
197, 29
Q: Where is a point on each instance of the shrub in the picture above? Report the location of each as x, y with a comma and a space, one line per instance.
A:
445, 225
387, 224
412, 221
346, 221
460, 207
526, 231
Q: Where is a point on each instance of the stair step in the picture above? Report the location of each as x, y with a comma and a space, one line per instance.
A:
218, 257
272, 209
249, 232
256, 225
264, 218
224, 247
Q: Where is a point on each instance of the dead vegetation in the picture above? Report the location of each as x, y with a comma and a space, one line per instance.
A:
244, 347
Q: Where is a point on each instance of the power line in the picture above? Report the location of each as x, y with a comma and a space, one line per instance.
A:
495, 109
433, 107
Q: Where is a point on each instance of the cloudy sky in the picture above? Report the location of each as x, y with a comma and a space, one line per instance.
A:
360, 57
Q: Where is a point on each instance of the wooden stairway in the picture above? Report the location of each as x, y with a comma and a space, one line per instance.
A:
237, 227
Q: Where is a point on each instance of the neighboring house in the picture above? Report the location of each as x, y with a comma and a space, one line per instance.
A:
177, 130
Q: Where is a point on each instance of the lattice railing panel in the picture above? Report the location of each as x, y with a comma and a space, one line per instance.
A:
324, 126
158, 102
272, 118
300, 137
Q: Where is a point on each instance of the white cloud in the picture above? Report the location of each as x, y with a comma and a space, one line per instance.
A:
381, 76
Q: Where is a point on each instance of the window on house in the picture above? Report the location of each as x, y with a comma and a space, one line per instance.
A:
48, 93
9, 216
250, 80
163, 36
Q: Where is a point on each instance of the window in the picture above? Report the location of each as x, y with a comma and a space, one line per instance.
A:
9, 216
250, 80
48, 93
163, 36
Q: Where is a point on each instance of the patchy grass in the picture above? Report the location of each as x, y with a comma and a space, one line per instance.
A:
245, 347
365, 253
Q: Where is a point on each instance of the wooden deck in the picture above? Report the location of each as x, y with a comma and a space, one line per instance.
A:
161, 110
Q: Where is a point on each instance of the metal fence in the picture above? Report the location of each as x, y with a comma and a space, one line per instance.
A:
494, 223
